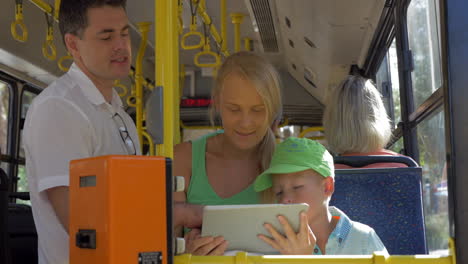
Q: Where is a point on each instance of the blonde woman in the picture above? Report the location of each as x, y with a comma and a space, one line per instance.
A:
220, 168
356, 123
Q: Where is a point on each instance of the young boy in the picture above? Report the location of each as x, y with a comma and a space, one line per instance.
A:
302, 171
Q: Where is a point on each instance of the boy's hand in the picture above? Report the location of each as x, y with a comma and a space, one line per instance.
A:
301, 243
204, 246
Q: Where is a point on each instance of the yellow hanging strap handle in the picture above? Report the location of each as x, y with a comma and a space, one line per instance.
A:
193, 30
48, 48
123, 89
207, 52
19, 23
62, 60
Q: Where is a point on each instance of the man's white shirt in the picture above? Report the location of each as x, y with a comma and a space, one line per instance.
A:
69, 120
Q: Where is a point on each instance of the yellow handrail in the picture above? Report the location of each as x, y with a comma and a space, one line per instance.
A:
310, 129
57, 9
124, 89
131, 101
145, 82
61, 60
247, 46
214, 32
144, 28
193, 32
237, 19
48, 48
19, 22
223, 25
207, 51
285, 122
376, 258
43, 6
150, 143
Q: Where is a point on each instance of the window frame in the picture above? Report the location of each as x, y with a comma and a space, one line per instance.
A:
10, 153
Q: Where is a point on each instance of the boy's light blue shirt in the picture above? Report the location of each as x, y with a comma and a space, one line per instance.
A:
348, 238
351, 238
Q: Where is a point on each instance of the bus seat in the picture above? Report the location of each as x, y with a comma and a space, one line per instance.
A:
22, 236
361, 161
387, 199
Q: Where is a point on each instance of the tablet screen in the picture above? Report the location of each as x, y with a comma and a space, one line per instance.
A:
240, 224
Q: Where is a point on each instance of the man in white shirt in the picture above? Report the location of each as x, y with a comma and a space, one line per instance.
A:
77, 116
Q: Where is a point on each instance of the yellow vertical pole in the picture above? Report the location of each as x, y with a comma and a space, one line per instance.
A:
223, 25
143, 27
167, 67
237, 20
247, 46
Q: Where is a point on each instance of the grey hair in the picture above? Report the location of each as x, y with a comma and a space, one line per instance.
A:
355, 119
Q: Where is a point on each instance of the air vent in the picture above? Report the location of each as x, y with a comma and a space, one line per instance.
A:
288, 22
266, 28
309, 42
291, 43
310, 76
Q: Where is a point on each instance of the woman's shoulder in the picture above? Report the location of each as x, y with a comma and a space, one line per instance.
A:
183, 153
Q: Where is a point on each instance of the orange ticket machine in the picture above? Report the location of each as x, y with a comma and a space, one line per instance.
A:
121, 210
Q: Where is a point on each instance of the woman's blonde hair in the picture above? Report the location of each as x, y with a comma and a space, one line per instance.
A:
355, 119
266, 80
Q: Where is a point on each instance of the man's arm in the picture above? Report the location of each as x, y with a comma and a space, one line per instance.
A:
55, 122
58, 197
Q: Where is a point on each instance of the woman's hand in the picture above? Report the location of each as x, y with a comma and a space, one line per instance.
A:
204, 246
301, 243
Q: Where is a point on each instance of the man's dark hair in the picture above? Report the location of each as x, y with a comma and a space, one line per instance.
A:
73, 14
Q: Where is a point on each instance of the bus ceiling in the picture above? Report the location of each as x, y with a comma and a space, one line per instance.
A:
315, 41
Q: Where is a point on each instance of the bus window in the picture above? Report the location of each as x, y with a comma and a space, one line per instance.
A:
398, 146
388, 84
4, 106
393, 66
423, 37
431, 144
22, 184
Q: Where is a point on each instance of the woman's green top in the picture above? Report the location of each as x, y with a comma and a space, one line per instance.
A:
200, 190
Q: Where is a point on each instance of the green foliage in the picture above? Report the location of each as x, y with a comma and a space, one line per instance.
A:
437, 231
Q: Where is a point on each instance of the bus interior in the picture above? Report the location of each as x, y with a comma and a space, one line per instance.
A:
402, 45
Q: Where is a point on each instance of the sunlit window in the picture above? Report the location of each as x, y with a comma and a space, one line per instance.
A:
4, 106
431, 144
387, 83
423, 36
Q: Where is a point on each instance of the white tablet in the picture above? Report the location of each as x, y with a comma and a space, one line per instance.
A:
240, 224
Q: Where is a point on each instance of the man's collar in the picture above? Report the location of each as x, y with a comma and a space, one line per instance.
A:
90, 90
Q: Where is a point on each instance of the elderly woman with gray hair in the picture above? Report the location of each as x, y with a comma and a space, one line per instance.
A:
356, 122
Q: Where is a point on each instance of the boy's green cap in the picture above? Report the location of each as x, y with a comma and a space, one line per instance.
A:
294, 155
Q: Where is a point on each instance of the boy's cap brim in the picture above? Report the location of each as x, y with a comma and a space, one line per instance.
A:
264, 181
